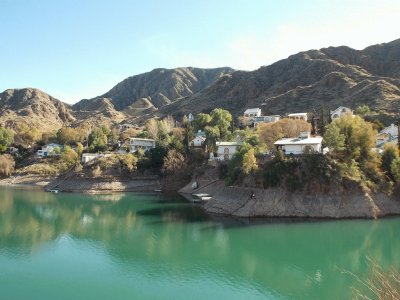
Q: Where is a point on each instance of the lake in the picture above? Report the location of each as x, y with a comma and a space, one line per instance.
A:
153, 246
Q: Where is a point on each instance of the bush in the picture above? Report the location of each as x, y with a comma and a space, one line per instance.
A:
7, 165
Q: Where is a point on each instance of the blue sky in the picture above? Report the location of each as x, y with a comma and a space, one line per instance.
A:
75, 49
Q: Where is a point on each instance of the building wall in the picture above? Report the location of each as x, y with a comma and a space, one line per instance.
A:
299, 149
226, 152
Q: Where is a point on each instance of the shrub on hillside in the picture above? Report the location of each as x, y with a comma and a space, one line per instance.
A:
7, 165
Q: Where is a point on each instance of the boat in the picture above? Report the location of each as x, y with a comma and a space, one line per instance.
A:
201, 197
53, 191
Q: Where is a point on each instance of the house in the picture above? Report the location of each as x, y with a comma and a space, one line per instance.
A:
190, 117
198, 141
252, 112
86, 157
200, 133
139, 143
389, 134
264, 119
49, 150
227, 149
298, 116
341, 110
300, 145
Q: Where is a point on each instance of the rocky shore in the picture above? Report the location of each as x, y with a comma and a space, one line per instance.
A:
92, 185
276, 202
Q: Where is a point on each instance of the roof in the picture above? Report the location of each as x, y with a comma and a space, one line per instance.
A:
299, 141
252, 110
140, 139
340, 108
297, 114
229, 143
203, 138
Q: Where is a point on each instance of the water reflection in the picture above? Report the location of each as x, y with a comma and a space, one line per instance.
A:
171, 238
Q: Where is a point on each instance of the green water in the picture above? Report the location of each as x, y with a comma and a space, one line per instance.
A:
137, 246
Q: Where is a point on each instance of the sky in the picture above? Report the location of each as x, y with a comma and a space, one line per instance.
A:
77, 49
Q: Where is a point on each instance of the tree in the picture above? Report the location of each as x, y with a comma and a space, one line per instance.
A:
129, 162
151, 127
333, 138
70, 136
69, 156
188, 135
212, 135
79, 149
97, 140
395, 169
313, 129
26, 136
322, 122
221, 119
390, 153
363, 110
173, 161
6, 138
249, 162
202, 120
7, 165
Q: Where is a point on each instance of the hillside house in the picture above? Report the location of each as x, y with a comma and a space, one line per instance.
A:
264, 119
227, 149
298, 116
49, 150
301, 145
139, 143
389, 134
198, 141
338, 112
252, 112
87, 157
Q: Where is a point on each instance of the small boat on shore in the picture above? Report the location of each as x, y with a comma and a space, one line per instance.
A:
201, 197
53, 191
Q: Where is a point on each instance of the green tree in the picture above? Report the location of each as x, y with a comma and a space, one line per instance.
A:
221, 119
202, 120
333, 138
97, 140
79, 149
212, 135
188, 134
69, 135
249, 163
363, 110
390, 153
6, 138
395, 169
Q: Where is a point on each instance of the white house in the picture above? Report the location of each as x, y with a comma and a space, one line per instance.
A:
86, 157
341, 110
389, 134
300, 145
252, 112
139, 143
264, 119
227, 149
298, 116
190, 117
198, 141
49, 150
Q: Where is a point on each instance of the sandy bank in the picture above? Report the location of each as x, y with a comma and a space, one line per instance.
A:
276, 202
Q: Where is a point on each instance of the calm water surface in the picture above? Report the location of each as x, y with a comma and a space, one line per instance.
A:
137, 246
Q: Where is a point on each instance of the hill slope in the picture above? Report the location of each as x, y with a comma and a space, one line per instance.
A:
34, 108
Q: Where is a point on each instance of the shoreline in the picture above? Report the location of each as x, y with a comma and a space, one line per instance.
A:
251, 202
233, 201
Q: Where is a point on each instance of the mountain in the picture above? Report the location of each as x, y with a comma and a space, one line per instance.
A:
33, 108
160, 87
304, 82
307, 81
